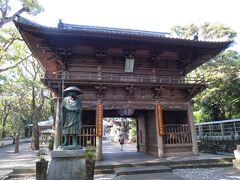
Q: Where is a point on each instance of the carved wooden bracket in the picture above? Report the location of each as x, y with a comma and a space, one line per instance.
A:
130, 91
100, 90
154, 57
157, 92
128, 53
100, 54
191, 92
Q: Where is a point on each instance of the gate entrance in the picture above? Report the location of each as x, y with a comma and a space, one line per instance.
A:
124, 69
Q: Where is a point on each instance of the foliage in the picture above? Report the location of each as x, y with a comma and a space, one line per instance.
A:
42, 153
221, 98
13, 50
31, 7
90, 151
215, 146
23, 96
206, 31
133, 130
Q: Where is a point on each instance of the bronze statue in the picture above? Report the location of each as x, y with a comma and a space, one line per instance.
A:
71, 118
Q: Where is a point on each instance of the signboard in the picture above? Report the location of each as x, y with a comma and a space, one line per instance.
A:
129, 64
159, 119
99, 120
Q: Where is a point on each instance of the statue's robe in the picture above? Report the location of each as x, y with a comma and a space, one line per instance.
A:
71, 116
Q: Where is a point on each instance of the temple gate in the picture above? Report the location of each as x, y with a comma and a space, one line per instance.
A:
121, 69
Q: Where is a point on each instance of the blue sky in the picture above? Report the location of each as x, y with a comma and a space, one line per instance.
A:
153, 15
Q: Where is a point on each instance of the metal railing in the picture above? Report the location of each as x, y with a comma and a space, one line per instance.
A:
123, 77
226, 129
177, 134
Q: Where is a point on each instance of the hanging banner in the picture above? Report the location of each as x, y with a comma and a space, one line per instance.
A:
159, 119
99, 120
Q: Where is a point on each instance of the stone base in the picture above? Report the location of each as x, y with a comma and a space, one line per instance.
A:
67, 164
236, 164
70, 147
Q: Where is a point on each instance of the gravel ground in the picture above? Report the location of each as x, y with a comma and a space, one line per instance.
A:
225, 173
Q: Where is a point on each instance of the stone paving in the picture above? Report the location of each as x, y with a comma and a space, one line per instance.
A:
112, 154
224, 173
9, 160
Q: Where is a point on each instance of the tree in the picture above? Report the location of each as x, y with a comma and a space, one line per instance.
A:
186, 31
28, 98
37, 96
206, 31
221, 99
15, 84
29, 6
10, 41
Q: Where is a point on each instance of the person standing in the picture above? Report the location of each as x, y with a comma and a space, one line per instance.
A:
121, 141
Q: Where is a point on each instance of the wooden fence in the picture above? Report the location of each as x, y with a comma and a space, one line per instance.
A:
177, 134
87, 136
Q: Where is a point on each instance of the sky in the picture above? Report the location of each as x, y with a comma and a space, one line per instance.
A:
152, 15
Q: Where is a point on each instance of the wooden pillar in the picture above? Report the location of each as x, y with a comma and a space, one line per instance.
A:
99, 130
193, 130
57, 133
160, 129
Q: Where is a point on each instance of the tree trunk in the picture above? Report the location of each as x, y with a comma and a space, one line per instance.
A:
35, 130
35, 136
4, 119
17, 143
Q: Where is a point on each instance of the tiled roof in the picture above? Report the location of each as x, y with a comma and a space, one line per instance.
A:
98, 29
75, 31
115, 30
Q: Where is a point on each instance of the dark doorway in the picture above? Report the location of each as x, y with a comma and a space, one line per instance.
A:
175, 117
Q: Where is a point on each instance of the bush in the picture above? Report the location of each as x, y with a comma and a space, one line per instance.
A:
214, 146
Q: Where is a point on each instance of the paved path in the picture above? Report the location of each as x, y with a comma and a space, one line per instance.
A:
10, 160
112, 155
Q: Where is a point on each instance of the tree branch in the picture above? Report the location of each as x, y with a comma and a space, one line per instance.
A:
14, 66
5, 19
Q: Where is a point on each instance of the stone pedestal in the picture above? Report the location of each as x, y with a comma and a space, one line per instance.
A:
67, 164
236, 161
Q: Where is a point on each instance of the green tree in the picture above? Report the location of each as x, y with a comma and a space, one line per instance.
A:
221, 99
29, 6
24, 96
11, 44
16, 100
207, 31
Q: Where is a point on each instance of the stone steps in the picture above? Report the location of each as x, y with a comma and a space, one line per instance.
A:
23, 172
204, 163
141, 170
152, 176
24, 176
201, 165
104, 171
110, 169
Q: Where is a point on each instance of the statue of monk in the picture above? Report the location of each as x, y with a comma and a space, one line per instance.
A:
71, 120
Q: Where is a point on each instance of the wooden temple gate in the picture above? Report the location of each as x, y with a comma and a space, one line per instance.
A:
125, 69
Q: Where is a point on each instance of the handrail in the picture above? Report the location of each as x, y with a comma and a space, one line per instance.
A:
124, 77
